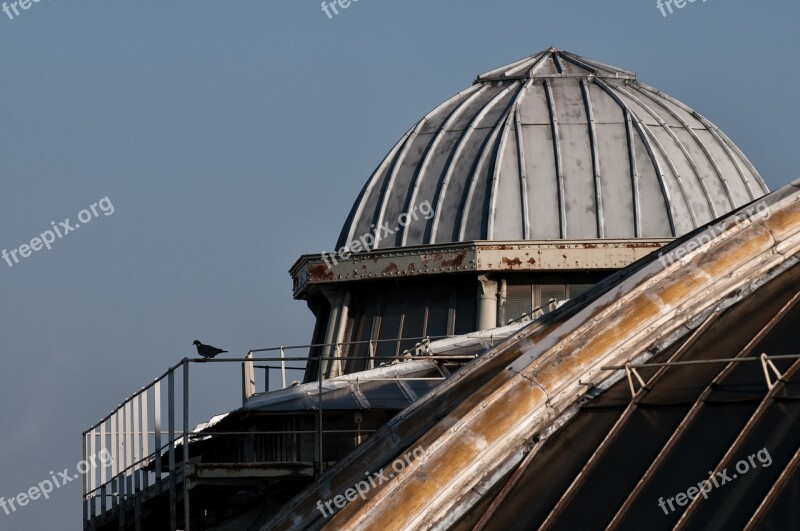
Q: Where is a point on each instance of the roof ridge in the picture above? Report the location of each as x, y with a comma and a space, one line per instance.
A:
536, 66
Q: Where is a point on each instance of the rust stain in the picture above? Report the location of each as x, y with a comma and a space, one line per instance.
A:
673, 293
455, 262
531, 261
593, 343
412, 267
511, 263
784, 221
391, 268
643, 245
757, 241
320, 272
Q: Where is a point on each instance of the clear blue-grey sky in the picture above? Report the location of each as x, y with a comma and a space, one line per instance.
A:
233, 136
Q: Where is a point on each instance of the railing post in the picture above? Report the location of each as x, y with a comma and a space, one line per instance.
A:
128, 450
103, 476
91, 464
136, 451
122, 491
283, 368
186, 509
115, 455
248, 378
337, 361
319, 424
85, 489
173, 498
145, 407
371, 350
157, 428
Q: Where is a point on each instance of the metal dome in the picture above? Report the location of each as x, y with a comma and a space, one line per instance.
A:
554, 146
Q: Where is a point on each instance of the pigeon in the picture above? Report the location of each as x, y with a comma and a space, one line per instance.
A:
207, 351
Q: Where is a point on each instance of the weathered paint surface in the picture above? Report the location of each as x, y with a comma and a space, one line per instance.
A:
480, 257
490, 162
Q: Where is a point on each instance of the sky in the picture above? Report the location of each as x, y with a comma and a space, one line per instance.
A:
218, 141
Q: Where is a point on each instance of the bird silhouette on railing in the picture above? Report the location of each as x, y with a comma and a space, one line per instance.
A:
207, 351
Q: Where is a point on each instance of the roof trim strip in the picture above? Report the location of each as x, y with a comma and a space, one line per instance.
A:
697, 173
430, 150
488, 147
697, 139
442, 191
551, 106
642, 129
598, 195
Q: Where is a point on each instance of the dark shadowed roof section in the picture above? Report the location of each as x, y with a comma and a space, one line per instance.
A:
610, 465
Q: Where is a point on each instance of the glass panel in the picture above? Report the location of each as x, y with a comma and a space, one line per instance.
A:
390, 324
414, 319
551, 290
322, 310
578, 289
467, 301
363, 313
438, 308
519, 298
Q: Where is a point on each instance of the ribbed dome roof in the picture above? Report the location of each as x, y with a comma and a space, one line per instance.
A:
555, 146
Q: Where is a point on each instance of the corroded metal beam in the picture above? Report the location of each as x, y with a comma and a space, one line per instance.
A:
566, 255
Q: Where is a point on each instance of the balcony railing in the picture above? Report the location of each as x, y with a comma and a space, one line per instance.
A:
153, 424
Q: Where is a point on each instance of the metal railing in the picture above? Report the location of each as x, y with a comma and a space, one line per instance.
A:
771, 373
371, 358
135, 436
